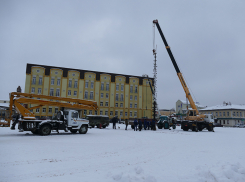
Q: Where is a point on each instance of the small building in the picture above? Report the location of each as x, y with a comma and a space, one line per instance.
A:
226, 114
4, 105
166, 112
181, 107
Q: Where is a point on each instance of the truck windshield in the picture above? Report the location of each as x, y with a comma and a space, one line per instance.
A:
74, 115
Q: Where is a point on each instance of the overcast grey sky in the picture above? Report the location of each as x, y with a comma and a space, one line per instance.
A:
206, 38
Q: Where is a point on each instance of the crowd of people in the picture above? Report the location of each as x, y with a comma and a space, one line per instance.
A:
138, 124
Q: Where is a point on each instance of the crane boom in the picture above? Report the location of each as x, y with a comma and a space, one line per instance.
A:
179, 74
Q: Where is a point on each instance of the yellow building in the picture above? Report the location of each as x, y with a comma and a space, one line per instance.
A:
126, 96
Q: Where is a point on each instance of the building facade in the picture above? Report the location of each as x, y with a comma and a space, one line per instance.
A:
181, 107
126, 96
226, 114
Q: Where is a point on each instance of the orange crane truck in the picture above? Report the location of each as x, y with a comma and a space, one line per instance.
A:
66, 119
194, 120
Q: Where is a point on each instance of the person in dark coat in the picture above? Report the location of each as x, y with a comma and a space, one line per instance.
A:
153, 125
140, 124
135, 124
114, 121
126, 123
148, 124
145, 124
16, 120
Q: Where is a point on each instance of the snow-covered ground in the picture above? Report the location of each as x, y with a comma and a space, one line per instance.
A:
124, 156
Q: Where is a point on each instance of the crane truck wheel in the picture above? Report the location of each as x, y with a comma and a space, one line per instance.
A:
83, 129
45, 130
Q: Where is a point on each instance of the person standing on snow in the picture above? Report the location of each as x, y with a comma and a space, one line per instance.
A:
135, 124
145, 124
140, 125
114, 120
126, 123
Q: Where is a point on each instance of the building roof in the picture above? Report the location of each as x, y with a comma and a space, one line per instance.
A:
225, 107
82, 72
196, 103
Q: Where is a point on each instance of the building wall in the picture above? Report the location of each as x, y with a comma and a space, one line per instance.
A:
122, 95
227, 117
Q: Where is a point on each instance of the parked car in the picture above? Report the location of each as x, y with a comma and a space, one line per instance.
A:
239, 125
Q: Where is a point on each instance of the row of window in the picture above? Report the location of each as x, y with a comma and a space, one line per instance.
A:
50, 110
112, 113
226, 114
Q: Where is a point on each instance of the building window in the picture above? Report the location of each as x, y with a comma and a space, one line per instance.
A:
34, 80
131, 97
135, 97
37, 110
86, 84
227, 113
135, 105
116, 113
122, 86
52, 81
90, 112
101, 112
116, 105
50, 110
86, 95
101, 103
136, 89
101, 95
33, 90
227, 121
121, 104
130, 105
106, 113
92, 85
107, 87
39, 91
57, 92
120, 79
58, 81
107, 95
85, 112
51, 93
75, 84
121, 99
121, 113
102, 86
130, 114
89, 76
40, 81
91, 95
106, 103
240, 114
95, 112
234, 113
56, 110
135, 114
131, 89
44, 110
38, 71
217, 114
126, 113
237, 113
111, 113
105, 77
223, 113
220, 114
75, 93
223, 121
69, 92
117, 87
116, 97
69, 83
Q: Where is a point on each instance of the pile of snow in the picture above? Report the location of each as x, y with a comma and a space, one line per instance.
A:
120, 155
